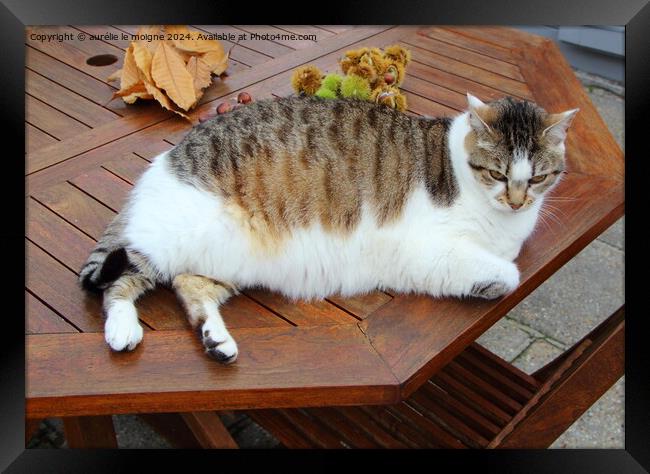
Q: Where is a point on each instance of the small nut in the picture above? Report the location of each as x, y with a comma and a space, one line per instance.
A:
223, 108
244, 98
206, 116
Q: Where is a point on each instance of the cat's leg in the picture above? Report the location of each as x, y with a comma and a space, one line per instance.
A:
122, 329
474, 271
201, 297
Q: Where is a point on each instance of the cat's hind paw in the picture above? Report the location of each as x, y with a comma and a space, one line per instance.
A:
122, 330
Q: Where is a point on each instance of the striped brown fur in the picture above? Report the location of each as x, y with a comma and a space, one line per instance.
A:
287, 163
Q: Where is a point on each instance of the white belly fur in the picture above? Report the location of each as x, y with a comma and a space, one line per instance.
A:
182, 229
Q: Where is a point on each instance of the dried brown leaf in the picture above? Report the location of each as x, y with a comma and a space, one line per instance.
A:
163, 99
139, 87
129, 76
201, 74
131, 98
174, 72
183, 54
149, 30
115, 76
143, 58
218, 61
130, 95
169, 73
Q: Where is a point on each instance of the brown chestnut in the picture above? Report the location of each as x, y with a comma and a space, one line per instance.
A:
224, 107
244, 98
207, 115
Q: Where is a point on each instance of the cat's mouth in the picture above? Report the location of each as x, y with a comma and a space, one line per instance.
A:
504, 204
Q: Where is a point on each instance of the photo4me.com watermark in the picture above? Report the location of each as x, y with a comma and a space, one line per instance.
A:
225, 36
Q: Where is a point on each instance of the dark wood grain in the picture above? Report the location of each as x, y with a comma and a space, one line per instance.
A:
66, 101
147, 145
472, 418
441, 95
208, 429
572, 391
590, 146
363, 305
104, 186
277, 423
302, 313
90, 432
470, 43
50, 120
446, 420
36, 138
98, 91
452, 82
499, 37
42, 320
313, 430
276, 367
468, 71
57, 285
396, 420
443, 48
127, 167
471, 398
76, 207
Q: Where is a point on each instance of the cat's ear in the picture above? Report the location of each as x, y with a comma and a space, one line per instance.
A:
479, 114
557, 126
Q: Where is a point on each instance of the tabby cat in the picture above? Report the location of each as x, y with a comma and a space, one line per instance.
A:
313, 197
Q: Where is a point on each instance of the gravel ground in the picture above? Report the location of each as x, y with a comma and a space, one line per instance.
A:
551, 319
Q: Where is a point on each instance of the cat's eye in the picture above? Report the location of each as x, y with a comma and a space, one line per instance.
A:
537, 179
498, 176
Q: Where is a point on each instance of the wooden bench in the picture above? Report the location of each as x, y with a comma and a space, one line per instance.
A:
478, 400
85, 152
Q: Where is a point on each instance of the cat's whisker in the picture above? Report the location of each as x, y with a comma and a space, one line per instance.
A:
554, 208
552, 213
562, 198
543, 221
551, 216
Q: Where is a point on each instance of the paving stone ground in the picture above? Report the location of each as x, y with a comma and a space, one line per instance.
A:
562, 310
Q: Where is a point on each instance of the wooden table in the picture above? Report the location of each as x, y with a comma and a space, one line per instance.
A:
84, 152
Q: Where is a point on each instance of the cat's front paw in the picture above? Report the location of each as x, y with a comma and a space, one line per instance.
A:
122, 330
489, 290
495, 288
218, 343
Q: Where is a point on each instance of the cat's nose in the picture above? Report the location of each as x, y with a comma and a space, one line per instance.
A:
514, 206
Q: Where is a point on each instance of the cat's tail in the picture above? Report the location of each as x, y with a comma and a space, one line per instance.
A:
107, 261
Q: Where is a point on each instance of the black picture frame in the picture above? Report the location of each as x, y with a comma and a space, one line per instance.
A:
16, 14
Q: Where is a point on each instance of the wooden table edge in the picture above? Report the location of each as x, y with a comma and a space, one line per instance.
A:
411, 381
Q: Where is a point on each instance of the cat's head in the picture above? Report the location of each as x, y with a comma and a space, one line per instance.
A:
516, 150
